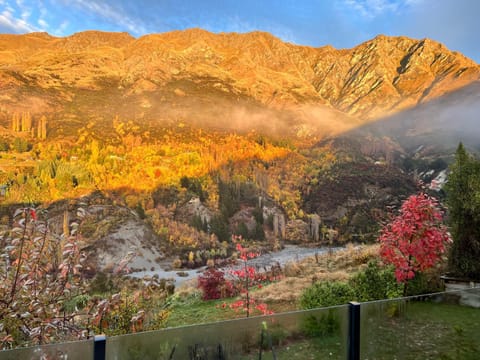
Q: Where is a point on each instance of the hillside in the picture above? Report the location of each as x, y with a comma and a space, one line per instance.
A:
183, 138
203, 77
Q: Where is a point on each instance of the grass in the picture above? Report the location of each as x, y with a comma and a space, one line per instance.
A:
424, 330
305, 349
193, 310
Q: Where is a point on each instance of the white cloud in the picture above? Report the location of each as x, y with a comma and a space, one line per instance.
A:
25, 11
114, 15
373, 8
12, 24
43, 24
26, 14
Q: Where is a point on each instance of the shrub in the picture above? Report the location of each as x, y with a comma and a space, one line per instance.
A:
326, 294
375, 283
321, 325
213, 285
425, 283
21, 145
4, 144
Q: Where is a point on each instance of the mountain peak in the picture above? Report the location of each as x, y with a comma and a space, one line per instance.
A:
380, 76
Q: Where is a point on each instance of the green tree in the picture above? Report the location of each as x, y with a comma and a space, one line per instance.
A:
228, 198
242, 230
463, 199
219, 226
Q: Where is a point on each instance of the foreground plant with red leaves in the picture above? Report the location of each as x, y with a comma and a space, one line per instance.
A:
415, 239
39, 273
44, 296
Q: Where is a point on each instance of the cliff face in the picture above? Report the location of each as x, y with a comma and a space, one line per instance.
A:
381, 76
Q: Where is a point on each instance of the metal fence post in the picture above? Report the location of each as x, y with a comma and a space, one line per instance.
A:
99, 347
353, 330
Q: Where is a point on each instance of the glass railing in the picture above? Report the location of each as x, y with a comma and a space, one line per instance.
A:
317, 334
437, 326
77, 350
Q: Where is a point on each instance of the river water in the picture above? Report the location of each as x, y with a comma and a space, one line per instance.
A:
290, 253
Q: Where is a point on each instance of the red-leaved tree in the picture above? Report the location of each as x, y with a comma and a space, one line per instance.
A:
247, 277
415, 239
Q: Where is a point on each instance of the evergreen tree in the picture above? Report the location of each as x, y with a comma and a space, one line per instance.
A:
463, 199
228, 198
219, 226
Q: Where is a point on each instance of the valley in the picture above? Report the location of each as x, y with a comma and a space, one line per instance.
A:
179, 137
170, 151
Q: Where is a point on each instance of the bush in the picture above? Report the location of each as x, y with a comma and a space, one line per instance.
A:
213, 285
326, 294
424, 283
375, 283
323, 325
4, 144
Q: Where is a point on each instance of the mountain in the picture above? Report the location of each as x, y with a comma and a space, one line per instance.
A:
312, 133
221, 80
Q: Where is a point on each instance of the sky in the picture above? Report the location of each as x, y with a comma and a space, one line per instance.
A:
340, 23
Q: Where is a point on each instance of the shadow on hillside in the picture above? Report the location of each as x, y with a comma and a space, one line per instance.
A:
437, 126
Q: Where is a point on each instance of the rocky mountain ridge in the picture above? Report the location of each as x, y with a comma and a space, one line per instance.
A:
379, 77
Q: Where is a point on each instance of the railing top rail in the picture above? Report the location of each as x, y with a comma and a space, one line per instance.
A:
423, 296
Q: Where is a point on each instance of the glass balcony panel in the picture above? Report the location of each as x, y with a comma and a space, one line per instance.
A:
312, 334
76, 350
437, 326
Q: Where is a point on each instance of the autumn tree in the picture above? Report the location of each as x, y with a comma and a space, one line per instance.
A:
38, 273
26, 124
246, 278
42, 128
463, 200
415, 239
15, 122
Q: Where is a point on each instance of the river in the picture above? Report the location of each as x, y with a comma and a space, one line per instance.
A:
288, 254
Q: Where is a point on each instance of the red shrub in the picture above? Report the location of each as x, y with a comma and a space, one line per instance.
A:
214, 285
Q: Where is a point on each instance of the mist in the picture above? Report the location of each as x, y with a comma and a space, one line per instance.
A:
293, 121
438, 125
